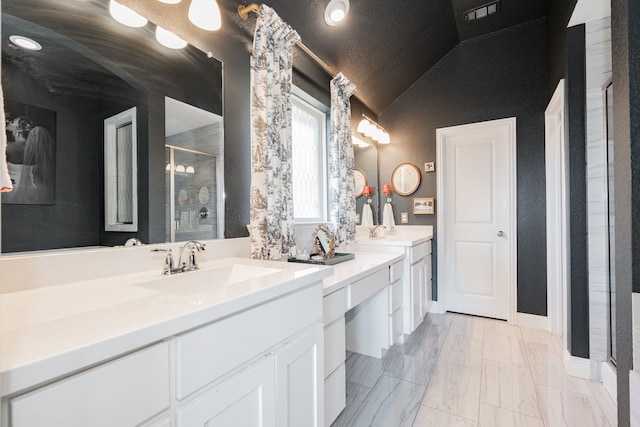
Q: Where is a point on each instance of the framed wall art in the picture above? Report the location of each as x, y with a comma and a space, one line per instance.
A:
423, 206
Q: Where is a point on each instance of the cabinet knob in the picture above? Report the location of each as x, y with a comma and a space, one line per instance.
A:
500, 233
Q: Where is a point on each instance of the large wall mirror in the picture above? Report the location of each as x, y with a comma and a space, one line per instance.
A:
366, 159
90, 68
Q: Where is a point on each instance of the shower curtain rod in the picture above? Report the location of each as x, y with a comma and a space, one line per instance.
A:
244, 11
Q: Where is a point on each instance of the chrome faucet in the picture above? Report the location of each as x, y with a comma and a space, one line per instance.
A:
187, 260
372, 231
134, 241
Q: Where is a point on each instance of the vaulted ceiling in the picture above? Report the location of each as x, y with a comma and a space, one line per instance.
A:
384, 46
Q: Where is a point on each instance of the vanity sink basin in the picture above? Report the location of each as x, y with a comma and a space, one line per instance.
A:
204, 279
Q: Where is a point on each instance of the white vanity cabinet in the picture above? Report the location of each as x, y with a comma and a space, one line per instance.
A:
248, 399
419, 282
124, 392
260, 366
335, 377
416, 278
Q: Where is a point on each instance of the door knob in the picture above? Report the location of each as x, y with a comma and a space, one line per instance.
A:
500, 233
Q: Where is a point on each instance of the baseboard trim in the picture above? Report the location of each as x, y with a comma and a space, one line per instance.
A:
610, 380
577, 366
437, 307
532, 321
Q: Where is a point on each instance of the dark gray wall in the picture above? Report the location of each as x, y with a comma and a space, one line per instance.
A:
625, 38
492, 77
578, 292
74, 218
557, 19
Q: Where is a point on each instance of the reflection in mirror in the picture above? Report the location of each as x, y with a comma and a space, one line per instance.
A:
366, 159
194, 150
90, 68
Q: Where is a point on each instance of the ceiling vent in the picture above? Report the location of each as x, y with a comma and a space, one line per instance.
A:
482, 12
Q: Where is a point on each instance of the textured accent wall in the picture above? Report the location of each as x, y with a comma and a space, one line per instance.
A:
492, 77
578, 292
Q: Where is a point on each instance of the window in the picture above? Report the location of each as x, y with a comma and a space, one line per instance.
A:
309, 130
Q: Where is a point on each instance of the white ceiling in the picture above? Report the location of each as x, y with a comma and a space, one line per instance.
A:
589, 10
181, 117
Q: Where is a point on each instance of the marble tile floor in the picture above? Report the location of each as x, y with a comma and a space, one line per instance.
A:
458, 370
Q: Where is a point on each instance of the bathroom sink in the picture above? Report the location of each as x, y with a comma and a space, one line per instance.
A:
204, 279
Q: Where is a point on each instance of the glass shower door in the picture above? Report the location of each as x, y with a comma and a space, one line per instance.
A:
192, 186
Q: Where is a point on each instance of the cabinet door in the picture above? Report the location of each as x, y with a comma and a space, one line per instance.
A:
417, 292
246, 400
300, 381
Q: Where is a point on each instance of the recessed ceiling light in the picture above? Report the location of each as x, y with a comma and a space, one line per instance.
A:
169, 39
336, 11
25, 42
126, 16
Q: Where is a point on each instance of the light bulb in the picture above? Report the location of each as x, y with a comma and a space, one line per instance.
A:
363, 125
180, 168
205, 14
385, 139
126, 16
336, 11
169, 39
25, 42
190, 169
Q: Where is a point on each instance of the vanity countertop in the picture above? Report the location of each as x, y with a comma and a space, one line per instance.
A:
364, 264
403, 235
51, 331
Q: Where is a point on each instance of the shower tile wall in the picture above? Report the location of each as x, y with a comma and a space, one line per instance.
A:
598, 65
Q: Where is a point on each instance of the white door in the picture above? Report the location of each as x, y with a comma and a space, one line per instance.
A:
476, 218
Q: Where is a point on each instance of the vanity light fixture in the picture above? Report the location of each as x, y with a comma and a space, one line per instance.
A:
126, 16
25, 42
205, 14
372, 130
169, 39
336, 11
358, 142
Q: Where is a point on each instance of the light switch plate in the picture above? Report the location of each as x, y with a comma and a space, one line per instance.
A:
404, 218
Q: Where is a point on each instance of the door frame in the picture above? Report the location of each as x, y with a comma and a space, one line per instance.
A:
441, 134
557, 221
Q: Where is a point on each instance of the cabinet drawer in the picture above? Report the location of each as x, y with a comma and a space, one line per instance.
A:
334, 346
124, 392
395, 296
362, 289
396, 271
417, 252
334, 305
206, 354
335, 395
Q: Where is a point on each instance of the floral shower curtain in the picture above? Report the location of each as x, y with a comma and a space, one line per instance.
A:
271, 227
342, 199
